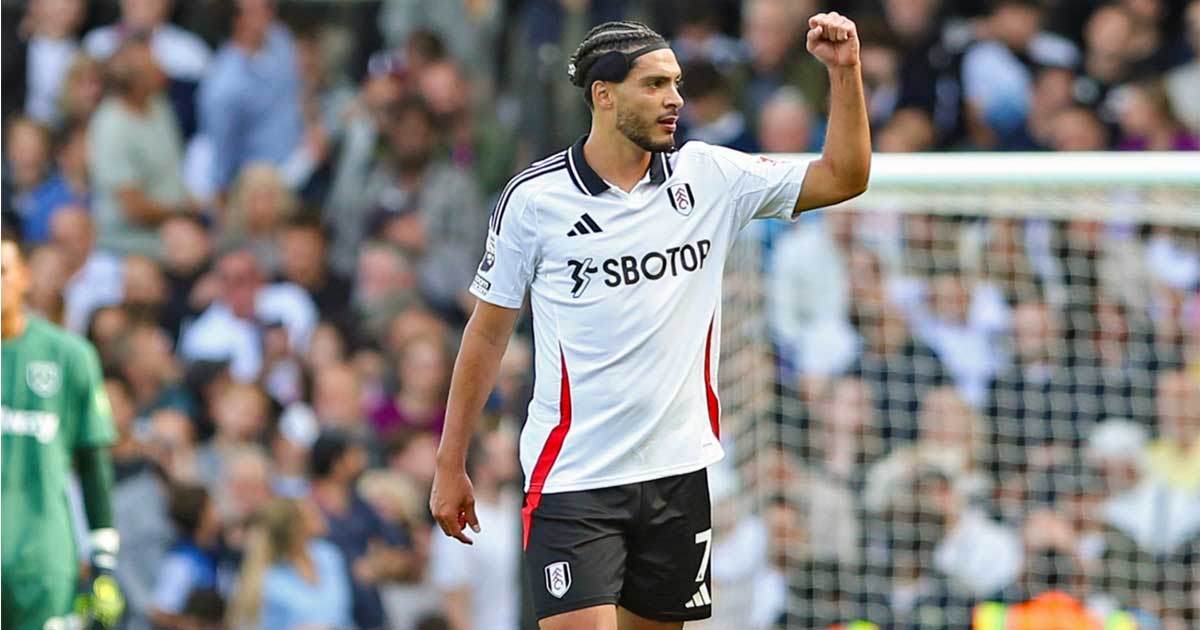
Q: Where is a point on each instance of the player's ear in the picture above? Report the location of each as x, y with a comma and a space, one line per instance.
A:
602, 94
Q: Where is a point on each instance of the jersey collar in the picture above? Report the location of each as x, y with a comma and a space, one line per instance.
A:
590, 183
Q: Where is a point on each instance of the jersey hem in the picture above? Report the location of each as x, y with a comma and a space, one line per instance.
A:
651, 475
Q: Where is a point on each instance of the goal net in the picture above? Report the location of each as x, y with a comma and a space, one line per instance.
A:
966, 399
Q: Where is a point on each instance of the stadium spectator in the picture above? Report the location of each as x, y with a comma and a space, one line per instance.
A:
186, 256
152, 371
411, 454
193, 562
171, 445
442, 272
294, 434
930, 110
94, 275
303, 243
259, 205
423, 370
241, 413
139, 508
841, 451
476, 137
49, 48
1147, 122
374, 552
478, 584
135, 154
1185, 79
951, 439
231, 328
328, 94
410, 171
66, 186
82, 92
962, 326
338, 400
290, 578
182, 55
773, 32
26, 164
250, 101
384, 283
48, 263
899, 369
998, 71
710, 116
785, 124
881, 57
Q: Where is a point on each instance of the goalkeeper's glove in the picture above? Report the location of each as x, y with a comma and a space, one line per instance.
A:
105, 603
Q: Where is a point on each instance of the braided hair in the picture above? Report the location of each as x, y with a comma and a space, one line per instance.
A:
620, 36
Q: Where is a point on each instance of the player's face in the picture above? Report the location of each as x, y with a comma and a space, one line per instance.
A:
14, 277
648, 101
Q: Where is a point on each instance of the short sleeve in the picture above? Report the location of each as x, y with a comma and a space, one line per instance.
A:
763, 187
90, 399
510, 252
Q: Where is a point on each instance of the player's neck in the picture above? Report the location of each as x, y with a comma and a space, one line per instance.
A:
614, 158
13, 323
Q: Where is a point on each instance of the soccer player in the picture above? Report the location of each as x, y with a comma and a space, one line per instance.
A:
55, 416
621, 240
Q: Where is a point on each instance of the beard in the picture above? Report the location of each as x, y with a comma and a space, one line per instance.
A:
639, 130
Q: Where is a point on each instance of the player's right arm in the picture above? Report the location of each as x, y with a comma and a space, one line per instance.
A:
483, 343
504, 275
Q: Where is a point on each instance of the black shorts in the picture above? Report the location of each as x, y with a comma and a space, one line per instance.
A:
642, 546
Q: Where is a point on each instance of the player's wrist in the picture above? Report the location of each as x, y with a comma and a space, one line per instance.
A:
106, 544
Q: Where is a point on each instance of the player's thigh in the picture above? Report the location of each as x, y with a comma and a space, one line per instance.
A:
38, 601
628, 620
576, 551
667, 576
603, 617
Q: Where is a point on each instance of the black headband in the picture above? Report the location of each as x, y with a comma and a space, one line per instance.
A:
613, 65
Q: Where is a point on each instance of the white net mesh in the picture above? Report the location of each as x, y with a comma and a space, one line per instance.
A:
966, 396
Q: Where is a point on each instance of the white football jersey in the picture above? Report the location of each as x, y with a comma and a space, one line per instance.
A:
626, 298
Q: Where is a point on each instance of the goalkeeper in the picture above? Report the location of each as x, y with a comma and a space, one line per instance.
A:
54, 416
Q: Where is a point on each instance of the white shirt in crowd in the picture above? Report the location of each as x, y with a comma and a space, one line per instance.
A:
180, 53
626, 299
99, 282
219, 335
46, 67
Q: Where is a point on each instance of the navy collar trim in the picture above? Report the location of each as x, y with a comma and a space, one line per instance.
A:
590, 183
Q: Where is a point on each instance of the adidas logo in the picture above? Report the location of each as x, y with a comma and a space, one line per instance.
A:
700, 599
585, 225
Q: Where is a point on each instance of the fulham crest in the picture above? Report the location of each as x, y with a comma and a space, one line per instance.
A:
558, 578
681, 198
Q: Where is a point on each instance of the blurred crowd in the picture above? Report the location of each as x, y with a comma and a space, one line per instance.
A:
265, 216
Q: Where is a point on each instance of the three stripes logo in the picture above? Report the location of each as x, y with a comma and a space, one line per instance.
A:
700, 599
585, 225
681, 198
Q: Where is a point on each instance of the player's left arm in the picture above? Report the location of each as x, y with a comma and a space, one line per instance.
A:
93, 465
844, 167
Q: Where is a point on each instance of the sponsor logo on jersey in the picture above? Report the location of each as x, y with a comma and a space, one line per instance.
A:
681, 198
40, 425
628, 270
43, 377
489, 255
481, 284
558, 578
